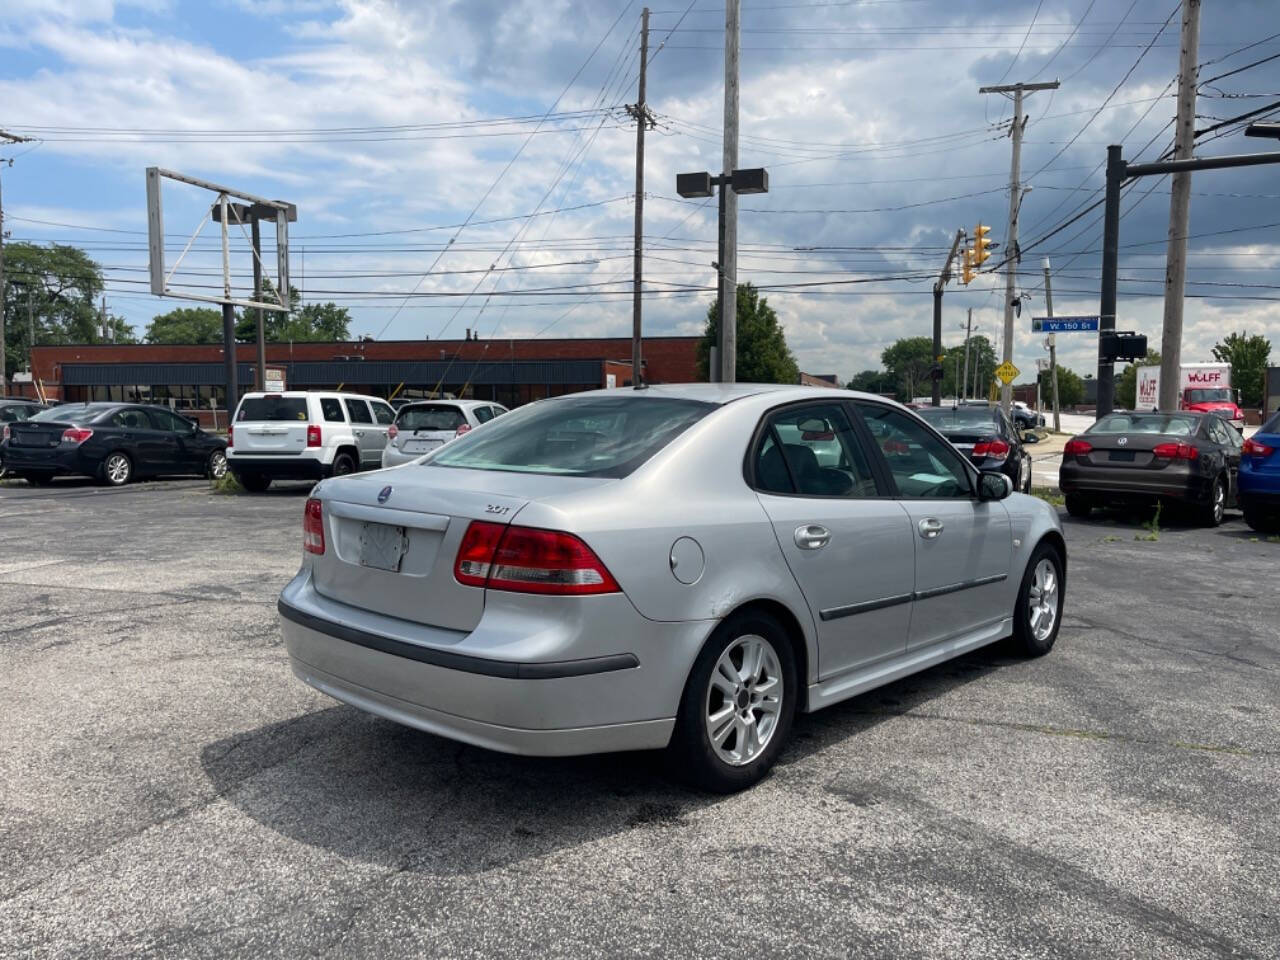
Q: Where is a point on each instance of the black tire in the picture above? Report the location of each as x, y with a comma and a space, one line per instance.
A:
692, 756
216, 466
116, 469
1260, 519
1211, 513
1026, 641
1078, 505
343, 464
38, 479
253, 482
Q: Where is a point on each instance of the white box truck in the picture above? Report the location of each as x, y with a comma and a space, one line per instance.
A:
1205, 387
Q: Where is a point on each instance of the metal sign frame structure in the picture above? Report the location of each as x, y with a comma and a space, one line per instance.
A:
228, 213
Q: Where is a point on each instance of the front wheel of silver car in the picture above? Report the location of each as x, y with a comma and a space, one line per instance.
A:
738, 705
1037, 617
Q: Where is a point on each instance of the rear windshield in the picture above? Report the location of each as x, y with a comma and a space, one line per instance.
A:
589, 437
1146, 423
1272, 425
72, 413
272, 407
948, 418
430, 416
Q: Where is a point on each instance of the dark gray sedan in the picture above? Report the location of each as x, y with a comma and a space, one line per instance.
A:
1127, 458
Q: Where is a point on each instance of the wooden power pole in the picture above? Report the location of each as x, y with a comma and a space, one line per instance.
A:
644, 118
1179, 208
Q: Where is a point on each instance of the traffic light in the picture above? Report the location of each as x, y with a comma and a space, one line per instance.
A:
966, 269
980, 244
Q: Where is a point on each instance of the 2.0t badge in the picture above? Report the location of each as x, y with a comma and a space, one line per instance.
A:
384, 494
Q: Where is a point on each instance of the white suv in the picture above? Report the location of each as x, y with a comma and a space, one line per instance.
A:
424, 425
303, 435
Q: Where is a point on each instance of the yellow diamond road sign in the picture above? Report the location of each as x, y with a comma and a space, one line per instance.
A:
1007, 372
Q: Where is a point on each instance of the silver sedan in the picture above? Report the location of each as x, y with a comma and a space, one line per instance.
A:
679, 567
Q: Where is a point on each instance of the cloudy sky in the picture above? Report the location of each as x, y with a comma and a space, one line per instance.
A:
391, 125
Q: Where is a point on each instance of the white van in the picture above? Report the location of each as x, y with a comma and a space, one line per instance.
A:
305, 435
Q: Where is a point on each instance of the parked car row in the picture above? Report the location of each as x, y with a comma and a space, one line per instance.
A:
311, 435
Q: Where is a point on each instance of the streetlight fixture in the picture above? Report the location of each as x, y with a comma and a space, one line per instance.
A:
703, 184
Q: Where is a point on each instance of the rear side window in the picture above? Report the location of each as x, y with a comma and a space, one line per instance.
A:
383, 413
435, 416
587, 437
358, 410
331, 410
483, 414
812, 451
272, 407
131, 420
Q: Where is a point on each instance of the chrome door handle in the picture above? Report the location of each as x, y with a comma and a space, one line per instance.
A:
812, 536
930, 527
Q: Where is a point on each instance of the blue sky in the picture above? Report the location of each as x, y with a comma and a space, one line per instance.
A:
378, 120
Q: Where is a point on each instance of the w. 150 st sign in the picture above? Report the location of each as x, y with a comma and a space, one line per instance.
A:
1064, 324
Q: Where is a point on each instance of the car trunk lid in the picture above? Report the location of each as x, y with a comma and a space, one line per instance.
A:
392, 537
1130, 450
44, 433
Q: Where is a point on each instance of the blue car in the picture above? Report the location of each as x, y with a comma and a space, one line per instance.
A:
1259, 482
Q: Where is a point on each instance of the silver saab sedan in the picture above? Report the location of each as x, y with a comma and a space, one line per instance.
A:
679, 567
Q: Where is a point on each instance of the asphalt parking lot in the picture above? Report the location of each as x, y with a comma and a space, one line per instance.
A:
171, 790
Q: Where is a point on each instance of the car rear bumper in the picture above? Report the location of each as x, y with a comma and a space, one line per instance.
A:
392, 457
297, 467
58, 461
1115, 482
615, 682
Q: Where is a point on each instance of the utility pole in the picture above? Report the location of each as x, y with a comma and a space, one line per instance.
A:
4, 379
1179, 208
1053, 348
256, 239
729, 199
938, 287
1012, 255
644, 118
968, 332
102, 318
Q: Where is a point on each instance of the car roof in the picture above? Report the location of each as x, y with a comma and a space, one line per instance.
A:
467, 404
722, 393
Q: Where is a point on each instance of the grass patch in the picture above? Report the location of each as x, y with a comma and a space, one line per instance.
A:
1111, 538
226, 484
1049, 495
1152, 527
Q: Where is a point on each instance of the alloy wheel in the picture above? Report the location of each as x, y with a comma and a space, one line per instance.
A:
744, 700
117, 468
1219, 501
218, 465
1042, 600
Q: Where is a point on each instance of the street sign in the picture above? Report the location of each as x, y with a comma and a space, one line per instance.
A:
1007, 373
1064, 324
1042, 363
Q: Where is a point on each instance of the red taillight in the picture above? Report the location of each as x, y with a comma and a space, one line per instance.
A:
1252, 448
313, 435
991, 448
462, 428
1077, 447
1175, 451
527, 560
392, 432
231, 441
76, 435
313, 527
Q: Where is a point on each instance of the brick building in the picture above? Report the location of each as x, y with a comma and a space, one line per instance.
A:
192, 377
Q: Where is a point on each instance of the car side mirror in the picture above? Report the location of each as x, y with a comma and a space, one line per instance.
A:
993, 485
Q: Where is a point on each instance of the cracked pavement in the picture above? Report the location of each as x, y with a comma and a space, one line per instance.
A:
171, 790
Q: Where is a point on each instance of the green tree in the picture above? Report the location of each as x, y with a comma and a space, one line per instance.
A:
763, 355
310, 322
52, 292
871, 381
1127, 382
1248, 358
1070, 387
186, 325
909, 361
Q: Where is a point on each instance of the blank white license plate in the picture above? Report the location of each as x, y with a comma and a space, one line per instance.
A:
382, 546
420, 446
